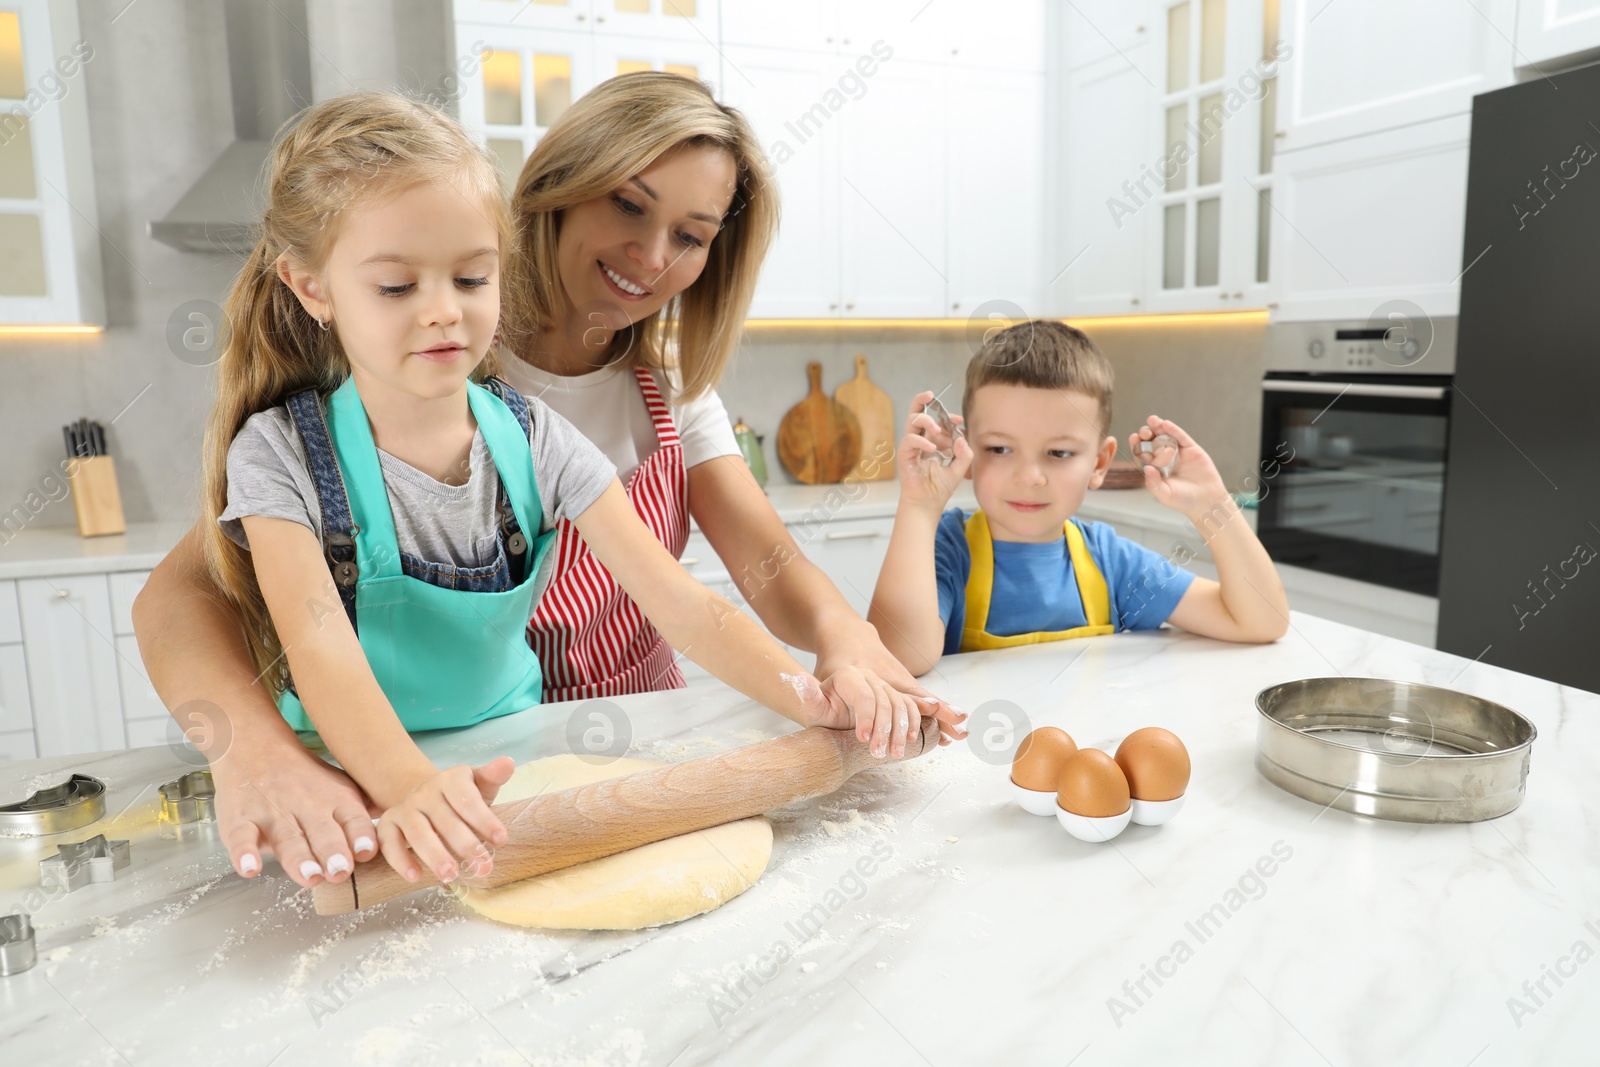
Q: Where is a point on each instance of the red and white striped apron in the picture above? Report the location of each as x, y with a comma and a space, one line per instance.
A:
591, 638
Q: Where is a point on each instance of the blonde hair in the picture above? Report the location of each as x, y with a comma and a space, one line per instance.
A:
329, 158
610, 135
1042, 354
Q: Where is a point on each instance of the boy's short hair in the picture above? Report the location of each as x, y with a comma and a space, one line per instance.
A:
1042, 354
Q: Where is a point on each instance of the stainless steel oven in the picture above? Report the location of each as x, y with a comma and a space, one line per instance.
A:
1354, 424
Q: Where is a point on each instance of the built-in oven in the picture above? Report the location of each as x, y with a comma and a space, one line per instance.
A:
1354, 424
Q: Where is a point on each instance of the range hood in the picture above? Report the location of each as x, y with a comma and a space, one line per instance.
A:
269, 71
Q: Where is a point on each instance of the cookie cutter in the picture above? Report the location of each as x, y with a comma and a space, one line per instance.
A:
78, 801
78, 864
937, 412
1159, 443
17, 950
191, 798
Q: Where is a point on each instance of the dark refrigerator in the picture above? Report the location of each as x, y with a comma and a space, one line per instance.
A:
1519, 581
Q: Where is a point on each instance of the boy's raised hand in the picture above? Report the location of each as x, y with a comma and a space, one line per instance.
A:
1194, 487
922, 479
445, 820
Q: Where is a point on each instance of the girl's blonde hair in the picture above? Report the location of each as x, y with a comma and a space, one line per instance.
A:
329, 158
610, 135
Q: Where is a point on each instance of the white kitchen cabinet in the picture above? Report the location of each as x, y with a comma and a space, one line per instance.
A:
50, 271
1107, 108
16, 709
850, 552
17, 746
1094, 30
10, 620
996, 34
1372, 219
71, 663
1553, 36
892, 195
784, 94
671, 19
996, 115
616, 54
1361, 66
524, 80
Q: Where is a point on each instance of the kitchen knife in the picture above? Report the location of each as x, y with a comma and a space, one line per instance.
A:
556, 830
98, 435
66, 436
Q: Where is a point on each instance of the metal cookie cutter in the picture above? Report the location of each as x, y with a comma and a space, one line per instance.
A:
192, 798
937, 412
78, 801
17, 952
1163, 446
75, 865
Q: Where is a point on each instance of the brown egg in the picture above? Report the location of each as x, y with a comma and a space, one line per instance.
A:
1091, 784
1155, 763
1040, 756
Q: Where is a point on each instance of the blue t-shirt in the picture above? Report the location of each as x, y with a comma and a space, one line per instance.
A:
1035, 590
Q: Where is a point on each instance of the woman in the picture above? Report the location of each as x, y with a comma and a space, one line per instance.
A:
644, 215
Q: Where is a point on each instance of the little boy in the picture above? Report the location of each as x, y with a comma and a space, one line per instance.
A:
1022, 570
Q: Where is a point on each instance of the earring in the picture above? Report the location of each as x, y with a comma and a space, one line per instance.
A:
322, 323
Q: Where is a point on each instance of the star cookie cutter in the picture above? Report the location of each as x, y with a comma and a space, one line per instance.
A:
191, 798
76, 865
78, 801
17, 951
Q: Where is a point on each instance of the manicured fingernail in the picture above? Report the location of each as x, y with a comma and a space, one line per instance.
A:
310, 869
364, 844
447, 873
412, 874
249, 865
338, 864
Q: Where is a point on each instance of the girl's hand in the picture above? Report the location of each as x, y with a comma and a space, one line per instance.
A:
861, 647
922, 479
881, 716
1195, 487
446, 818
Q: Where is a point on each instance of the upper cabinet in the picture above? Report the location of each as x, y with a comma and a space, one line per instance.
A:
49, 246
1166, 157
1372, 137
907, 139
1308, 158
1553, 36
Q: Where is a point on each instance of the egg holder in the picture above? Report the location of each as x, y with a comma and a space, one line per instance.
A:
1097, 830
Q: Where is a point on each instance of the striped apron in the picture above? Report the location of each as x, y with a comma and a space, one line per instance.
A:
591, 638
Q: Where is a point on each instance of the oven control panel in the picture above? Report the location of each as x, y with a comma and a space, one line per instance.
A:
1397, 344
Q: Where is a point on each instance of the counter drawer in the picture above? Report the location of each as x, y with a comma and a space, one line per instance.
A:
18, 744
16, 709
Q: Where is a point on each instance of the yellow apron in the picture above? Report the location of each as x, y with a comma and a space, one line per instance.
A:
980, 587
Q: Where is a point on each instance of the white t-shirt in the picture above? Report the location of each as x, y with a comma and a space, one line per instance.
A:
592, 402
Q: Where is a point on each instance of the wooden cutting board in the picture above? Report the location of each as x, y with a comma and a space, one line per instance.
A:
819, 439
875, 412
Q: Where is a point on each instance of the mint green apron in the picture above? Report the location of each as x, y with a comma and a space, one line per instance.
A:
444, 657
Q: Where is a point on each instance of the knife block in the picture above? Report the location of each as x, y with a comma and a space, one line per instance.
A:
96, 498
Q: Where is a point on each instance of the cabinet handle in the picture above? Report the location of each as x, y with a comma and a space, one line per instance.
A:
1134, 301
1238, 296
1280, 133
1223, 295
849, 535
599, 18
833, 306
956, 306
849, 307
581, 17
63, 593
847, 40
689, 561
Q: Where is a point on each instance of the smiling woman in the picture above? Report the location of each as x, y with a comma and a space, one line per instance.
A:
641, 221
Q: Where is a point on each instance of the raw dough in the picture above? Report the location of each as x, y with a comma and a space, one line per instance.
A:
661, 882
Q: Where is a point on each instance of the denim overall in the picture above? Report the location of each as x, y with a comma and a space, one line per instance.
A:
445, 643
975, 635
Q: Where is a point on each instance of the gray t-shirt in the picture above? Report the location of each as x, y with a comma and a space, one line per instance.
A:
268, 475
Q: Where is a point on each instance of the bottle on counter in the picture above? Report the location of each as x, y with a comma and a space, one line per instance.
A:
750, 448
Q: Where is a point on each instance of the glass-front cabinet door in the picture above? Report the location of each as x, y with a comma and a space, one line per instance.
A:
1207, 187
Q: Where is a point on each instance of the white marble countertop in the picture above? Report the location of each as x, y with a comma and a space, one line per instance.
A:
56, 550
983, 935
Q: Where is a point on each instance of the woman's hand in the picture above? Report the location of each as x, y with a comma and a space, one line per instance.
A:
922, 479
855, 645
444, 819
310, 814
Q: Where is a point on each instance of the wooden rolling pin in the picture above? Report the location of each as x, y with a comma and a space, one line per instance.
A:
556, 830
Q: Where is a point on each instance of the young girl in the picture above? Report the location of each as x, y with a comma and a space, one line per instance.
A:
383, 509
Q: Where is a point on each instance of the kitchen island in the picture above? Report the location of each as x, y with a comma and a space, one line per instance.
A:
915, 917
